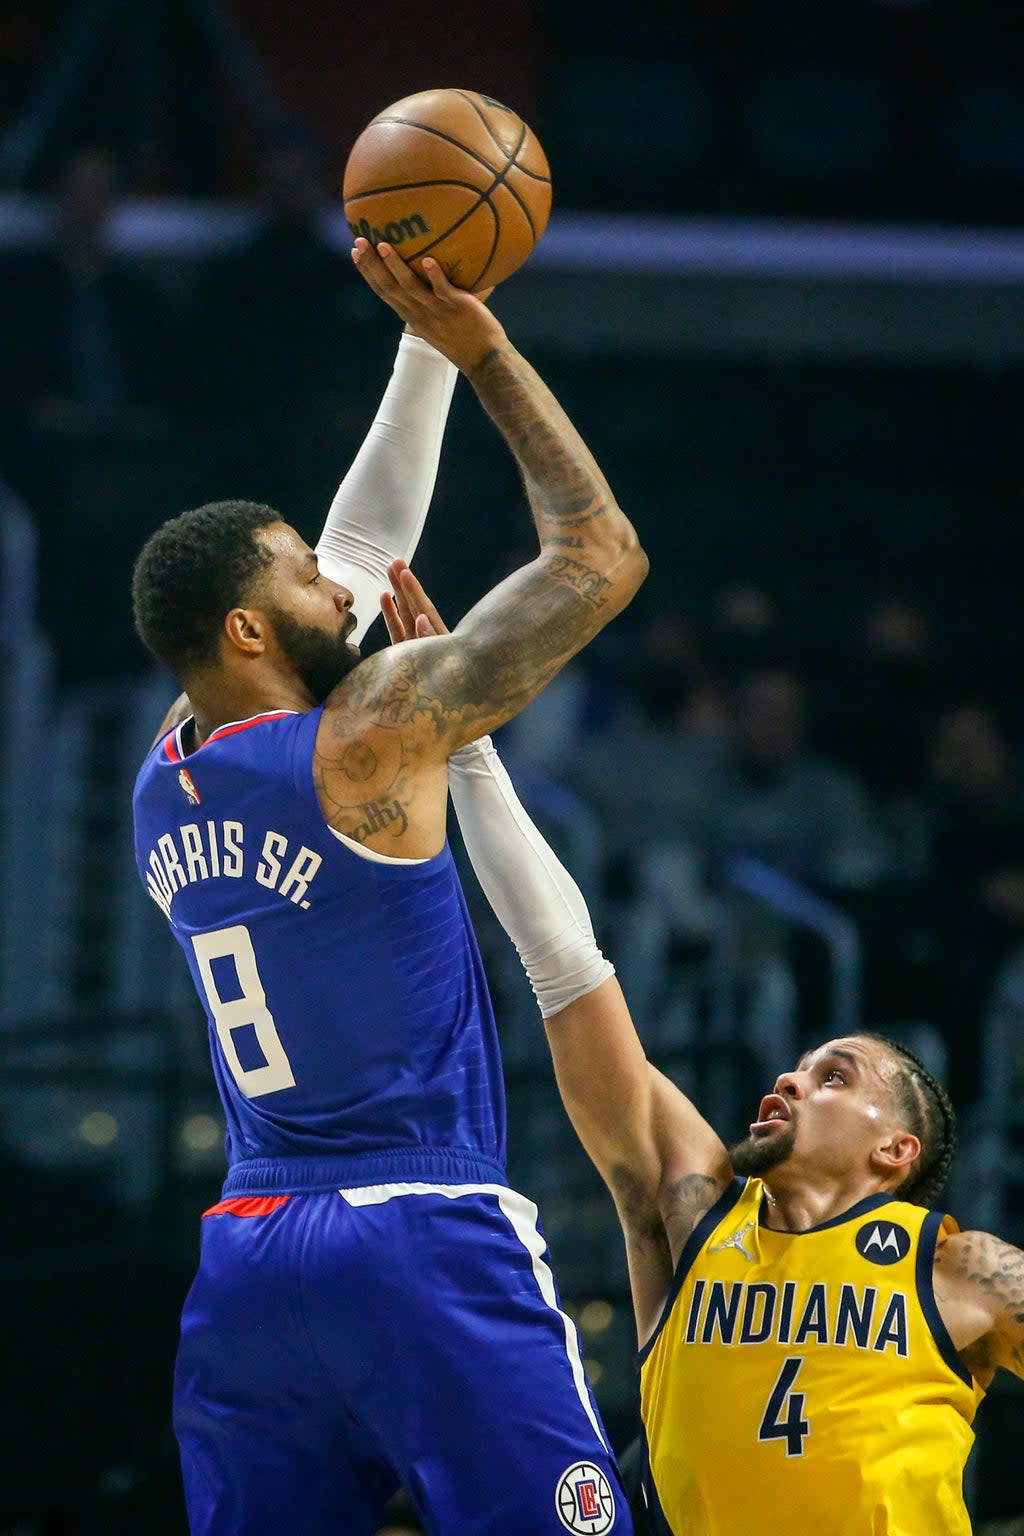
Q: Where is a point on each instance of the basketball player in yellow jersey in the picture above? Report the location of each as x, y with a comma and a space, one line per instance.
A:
814, 1339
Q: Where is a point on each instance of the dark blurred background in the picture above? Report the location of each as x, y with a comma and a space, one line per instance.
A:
783, 297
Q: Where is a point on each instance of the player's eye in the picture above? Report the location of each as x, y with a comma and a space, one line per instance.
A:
835, 1072
314, 579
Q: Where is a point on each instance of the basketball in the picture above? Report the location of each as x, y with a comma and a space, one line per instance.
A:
453, 175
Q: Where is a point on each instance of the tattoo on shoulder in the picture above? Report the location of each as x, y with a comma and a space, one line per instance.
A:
994, 1269
692, 1195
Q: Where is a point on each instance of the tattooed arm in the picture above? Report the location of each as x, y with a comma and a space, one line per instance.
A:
661, 1160
572, 503
414, 705
979, 1288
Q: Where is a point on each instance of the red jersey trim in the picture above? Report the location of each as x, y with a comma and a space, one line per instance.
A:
172, 741
247, 1205
244, 725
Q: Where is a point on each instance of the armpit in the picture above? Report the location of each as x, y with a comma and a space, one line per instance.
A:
638, 1209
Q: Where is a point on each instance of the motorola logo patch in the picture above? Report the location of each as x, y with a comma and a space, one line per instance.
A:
883, 1242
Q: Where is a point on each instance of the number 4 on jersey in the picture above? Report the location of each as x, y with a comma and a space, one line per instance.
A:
784, 1413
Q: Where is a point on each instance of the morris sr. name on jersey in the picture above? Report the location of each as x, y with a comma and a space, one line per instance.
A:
223, 850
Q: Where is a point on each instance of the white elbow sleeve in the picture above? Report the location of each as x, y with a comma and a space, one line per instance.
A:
381, 505
566, 975
534, 897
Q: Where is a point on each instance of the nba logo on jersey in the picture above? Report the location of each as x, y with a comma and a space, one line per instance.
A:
584, 1500
185, 780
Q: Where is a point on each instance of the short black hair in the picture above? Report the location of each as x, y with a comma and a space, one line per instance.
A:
930, 1116
191, 572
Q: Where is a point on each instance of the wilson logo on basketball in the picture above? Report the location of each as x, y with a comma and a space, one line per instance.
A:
394, 233
185, 780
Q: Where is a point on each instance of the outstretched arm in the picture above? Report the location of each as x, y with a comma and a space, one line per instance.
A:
439, 693
662, 1162
381, 505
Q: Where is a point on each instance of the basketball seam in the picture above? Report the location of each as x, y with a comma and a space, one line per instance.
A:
409, 122
484, 197
483, 118
403, 186
533, 175
482, 200
494, 244
500, 179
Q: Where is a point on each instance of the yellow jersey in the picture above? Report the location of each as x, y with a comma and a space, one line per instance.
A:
804, 1382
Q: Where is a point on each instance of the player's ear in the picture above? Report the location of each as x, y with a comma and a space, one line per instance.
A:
897, 1153
245, 629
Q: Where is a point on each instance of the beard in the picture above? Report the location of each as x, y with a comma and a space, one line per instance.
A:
757, 1155
321, 659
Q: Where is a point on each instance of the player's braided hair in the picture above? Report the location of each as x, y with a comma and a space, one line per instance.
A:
932, 1119
191, 572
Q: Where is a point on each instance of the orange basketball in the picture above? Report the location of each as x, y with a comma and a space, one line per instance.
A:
453, 175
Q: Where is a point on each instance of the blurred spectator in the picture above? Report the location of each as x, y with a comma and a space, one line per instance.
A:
89, 336
746, 630
774, 799
645, 766
975, 890
87, 408
676, 803
886, 697
279, 324
667, 676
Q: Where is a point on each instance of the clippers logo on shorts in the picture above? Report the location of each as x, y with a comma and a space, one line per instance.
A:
185, 780
883, 1242
584, 1500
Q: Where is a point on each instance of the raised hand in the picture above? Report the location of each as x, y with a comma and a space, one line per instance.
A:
408, 612
457, 323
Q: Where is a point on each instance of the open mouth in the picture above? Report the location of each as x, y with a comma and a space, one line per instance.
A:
773, 1110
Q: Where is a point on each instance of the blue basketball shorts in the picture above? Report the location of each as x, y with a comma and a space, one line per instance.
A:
337, 1345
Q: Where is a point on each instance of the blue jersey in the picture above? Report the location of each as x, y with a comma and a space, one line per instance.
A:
348, 1011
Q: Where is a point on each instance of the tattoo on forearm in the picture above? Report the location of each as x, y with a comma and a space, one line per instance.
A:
569, 492
590, 584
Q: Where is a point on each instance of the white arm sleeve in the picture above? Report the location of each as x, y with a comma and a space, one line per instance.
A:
379, 510
534, 897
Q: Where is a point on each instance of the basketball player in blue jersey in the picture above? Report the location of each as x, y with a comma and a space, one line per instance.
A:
814, 1339
373, 1304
